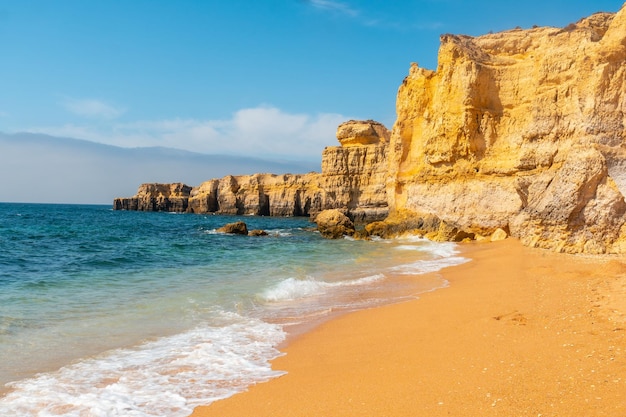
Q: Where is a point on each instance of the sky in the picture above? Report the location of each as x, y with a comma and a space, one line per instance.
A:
266, 79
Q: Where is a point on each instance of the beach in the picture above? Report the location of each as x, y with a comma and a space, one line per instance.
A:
517, 332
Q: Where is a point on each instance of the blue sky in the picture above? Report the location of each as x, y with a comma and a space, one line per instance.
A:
269, 78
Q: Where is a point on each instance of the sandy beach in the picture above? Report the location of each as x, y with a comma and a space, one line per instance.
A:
518, 332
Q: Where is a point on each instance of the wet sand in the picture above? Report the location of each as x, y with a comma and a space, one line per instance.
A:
519, 332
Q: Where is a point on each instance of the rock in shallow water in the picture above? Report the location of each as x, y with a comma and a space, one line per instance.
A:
257, 232
236, 228
333, 224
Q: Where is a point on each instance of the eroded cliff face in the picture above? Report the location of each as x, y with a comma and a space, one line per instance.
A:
359, 133
352, 180
520, 130
258, 194
156, 197
354, 174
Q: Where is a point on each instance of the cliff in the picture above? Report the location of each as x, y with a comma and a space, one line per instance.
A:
354, 174
156, 197
521, 130
352, 180
258, 194
516, 133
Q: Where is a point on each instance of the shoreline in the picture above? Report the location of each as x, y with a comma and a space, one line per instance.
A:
518, 331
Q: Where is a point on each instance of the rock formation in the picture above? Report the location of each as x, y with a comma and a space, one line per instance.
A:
156, 197
258, 194
257, 232
236, 228
352, 180
333, 224
357, 133
521, 130
354, 175
516, 133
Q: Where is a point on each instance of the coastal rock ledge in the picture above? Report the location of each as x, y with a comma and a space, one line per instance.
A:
352, 180
518, 133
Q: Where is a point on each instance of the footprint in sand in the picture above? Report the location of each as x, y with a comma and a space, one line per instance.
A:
516, 318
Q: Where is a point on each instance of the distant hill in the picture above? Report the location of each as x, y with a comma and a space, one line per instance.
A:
42, 168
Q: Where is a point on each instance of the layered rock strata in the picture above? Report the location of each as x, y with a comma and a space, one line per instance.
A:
359, 133
521, 130
157, 197
352, 180
517, 133
258, 194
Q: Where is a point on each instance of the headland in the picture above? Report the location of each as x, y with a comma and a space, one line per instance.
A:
520, 132
516, 134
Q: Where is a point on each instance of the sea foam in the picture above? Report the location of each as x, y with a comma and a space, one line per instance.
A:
293, 289
426, 266
437, 249
165, 377
107, 275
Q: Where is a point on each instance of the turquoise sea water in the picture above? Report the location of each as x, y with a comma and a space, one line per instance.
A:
115, 313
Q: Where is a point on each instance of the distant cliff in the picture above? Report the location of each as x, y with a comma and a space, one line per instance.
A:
156, 197
352, 179
519, 132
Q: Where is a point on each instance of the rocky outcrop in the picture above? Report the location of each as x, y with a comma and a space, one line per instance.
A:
258, 194
358, 133
257, 232
235, 228
521, 130
518, 133
354, 175
352, 180
156, 197
333, 224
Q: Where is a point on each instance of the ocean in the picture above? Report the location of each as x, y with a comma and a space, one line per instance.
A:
118, 313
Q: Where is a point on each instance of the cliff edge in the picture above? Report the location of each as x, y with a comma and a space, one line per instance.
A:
515, 133
522, 131
352, 180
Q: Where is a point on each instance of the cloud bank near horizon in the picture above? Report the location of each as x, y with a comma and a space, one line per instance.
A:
47, 169
263, 131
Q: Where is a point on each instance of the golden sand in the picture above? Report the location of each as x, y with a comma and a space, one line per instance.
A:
519, 332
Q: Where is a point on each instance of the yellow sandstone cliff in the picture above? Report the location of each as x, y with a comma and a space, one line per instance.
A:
521, 130
156, 197
352, 180
516, 133
354, 174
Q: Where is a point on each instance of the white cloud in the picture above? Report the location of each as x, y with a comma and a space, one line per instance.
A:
260, 132
92, 108
334, 6
364, 18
